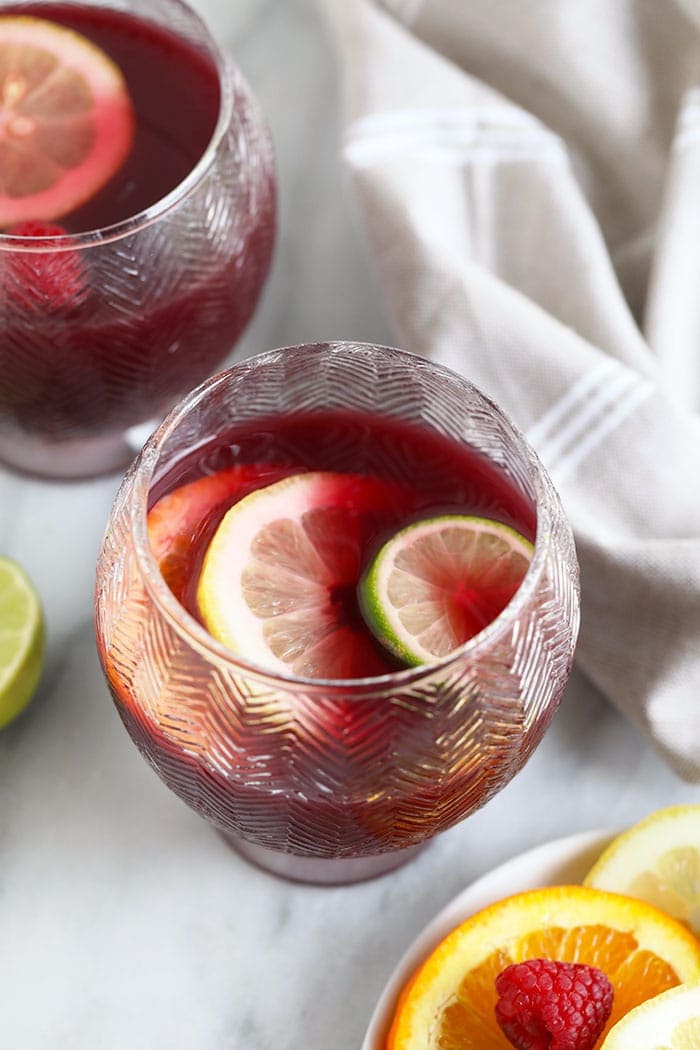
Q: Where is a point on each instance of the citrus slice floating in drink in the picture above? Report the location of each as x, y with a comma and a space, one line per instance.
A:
279, 578
184, 520
440, 581
669, 1021
449, 1003
66, 119
657, 860
21, 641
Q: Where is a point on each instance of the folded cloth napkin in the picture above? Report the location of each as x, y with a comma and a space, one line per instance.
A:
529, 179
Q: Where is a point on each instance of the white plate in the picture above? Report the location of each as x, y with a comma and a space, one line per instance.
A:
561, 862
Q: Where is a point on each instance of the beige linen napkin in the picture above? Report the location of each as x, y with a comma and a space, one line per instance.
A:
528, 173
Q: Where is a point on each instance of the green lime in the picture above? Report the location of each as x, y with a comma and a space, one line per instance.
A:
438, 582
21, 640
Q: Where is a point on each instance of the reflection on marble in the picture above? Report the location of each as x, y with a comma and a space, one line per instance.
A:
124, 921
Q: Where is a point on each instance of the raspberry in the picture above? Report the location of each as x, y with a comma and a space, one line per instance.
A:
50, 280
548, 1005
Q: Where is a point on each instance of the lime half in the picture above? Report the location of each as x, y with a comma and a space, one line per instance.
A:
21, 641
438, 582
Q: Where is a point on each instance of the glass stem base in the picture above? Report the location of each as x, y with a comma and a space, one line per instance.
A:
69, 459
322, 871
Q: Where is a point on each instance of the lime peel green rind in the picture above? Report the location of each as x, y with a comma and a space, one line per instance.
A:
22, 641
376, 608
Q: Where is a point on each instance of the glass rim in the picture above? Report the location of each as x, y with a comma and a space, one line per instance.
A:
142, 475
226, 72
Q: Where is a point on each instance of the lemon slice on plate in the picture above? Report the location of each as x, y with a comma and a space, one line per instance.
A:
669, 1021
657, 860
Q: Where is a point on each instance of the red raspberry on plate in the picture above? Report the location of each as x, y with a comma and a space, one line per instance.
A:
50, 280
548, 1005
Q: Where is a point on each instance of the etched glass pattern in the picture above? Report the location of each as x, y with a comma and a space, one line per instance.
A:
336, 770
164, 296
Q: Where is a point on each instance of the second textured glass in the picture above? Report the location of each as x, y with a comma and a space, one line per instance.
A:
105, 327
334, 781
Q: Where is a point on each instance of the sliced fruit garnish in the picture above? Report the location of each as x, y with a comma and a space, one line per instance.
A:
438, 582
449, 1003
180, 523
670, 1021
278, 583
657, 860
66, 119
21, 641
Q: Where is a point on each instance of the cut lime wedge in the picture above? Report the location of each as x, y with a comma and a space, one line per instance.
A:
438, 582
21, 641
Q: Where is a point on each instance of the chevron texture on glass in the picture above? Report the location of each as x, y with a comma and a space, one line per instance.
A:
347, 771
159, 308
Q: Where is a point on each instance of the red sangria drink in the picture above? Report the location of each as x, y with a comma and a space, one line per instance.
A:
336, 605
137, 216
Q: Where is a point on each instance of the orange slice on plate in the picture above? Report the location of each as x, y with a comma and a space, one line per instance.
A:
449, 1003
66, 119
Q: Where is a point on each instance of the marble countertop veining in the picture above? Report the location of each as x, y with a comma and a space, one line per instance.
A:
125, 922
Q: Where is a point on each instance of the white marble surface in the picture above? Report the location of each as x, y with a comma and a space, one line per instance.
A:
124, 921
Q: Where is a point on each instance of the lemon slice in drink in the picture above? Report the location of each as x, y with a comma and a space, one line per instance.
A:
440, 581
669, 1021
657, 860
66, 119
21, 641
279, 578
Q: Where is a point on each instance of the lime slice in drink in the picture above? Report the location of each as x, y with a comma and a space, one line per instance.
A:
66, 119
279, 580
440, 581
21, 641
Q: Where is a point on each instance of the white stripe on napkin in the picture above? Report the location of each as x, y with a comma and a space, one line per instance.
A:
640, 392
451, 133
597, 403
587, 384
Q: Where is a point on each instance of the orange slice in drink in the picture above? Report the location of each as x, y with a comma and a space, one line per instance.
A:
449, 1003
184, 520
278, 582
66, 119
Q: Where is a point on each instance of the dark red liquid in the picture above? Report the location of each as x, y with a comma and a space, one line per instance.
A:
96, 340
175, 92
341, 770
422, 475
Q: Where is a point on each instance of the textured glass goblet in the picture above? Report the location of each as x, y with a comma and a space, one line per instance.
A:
332, 781
106, 329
